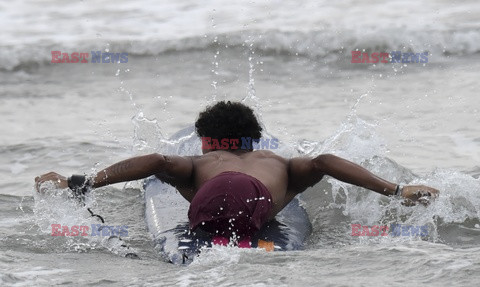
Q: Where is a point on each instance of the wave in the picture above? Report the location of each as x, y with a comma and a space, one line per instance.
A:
327, 45
453, 218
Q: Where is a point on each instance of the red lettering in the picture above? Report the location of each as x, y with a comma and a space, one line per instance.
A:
233, 143
224, 144
65, 58
75, 57
356, 229
375, 230
356, 56
215, 144
74, 230
374, 58
366, 231
206, 143
84, 230
384, 57
55, 228
55, 56
84, 57
65, 231
365, 58
384, 230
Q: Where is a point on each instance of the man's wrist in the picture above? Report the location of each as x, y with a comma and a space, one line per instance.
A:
79, 184
398, 190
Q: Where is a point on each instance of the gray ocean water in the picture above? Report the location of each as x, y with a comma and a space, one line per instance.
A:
413, 123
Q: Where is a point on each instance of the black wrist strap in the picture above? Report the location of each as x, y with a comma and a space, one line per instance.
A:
398, 190
80, 185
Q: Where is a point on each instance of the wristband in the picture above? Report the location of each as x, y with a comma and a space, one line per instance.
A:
399, 190
79, 184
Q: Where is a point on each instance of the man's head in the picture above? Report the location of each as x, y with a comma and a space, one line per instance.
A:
228, 120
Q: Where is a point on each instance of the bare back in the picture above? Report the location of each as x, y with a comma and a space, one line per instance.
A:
267, 167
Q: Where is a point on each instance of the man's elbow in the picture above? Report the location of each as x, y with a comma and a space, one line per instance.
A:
159, 161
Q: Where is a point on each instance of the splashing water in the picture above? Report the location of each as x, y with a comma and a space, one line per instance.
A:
146, 133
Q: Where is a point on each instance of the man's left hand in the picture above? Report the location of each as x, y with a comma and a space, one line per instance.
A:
419, 194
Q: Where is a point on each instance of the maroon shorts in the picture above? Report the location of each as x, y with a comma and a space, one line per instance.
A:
232, 203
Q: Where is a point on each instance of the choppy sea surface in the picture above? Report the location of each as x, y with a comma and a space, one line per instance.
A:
413, 123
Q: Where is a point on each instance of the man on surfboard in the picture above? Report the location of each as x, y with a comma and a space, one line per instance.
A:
234, 191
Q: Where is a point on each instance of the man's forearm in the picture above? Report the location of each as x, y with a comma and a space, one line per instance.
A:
352, 173
130, 169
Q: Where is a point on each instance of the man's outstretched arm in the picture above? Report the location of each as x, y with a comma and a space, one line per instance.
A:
352, 173
127, 170
307, 172
130, 169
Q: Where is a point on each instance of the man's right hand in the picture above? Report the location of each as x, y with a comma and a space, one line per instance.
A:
57, 180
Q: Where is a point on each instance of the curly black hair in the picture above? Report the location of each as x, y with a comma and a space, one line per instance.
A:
231, 120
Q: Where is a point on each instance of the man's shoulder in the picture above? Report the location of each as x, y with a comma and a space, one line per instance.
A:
256, 154
265, 154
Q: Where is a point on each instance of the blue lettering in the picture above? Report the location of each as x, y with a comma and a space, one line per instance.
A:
265, 143
123, 57
274, 143
424, 57
96, 228
123, 231
96, 56
415, 230
106, 57
405, 57
396, 229
115, 57
256, 143
106, 230
115, 230
246, 143
406, 230
396, 56
415, 57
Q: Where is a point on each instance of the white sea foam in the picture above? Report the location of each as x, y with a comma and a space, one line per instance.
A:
311, 29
